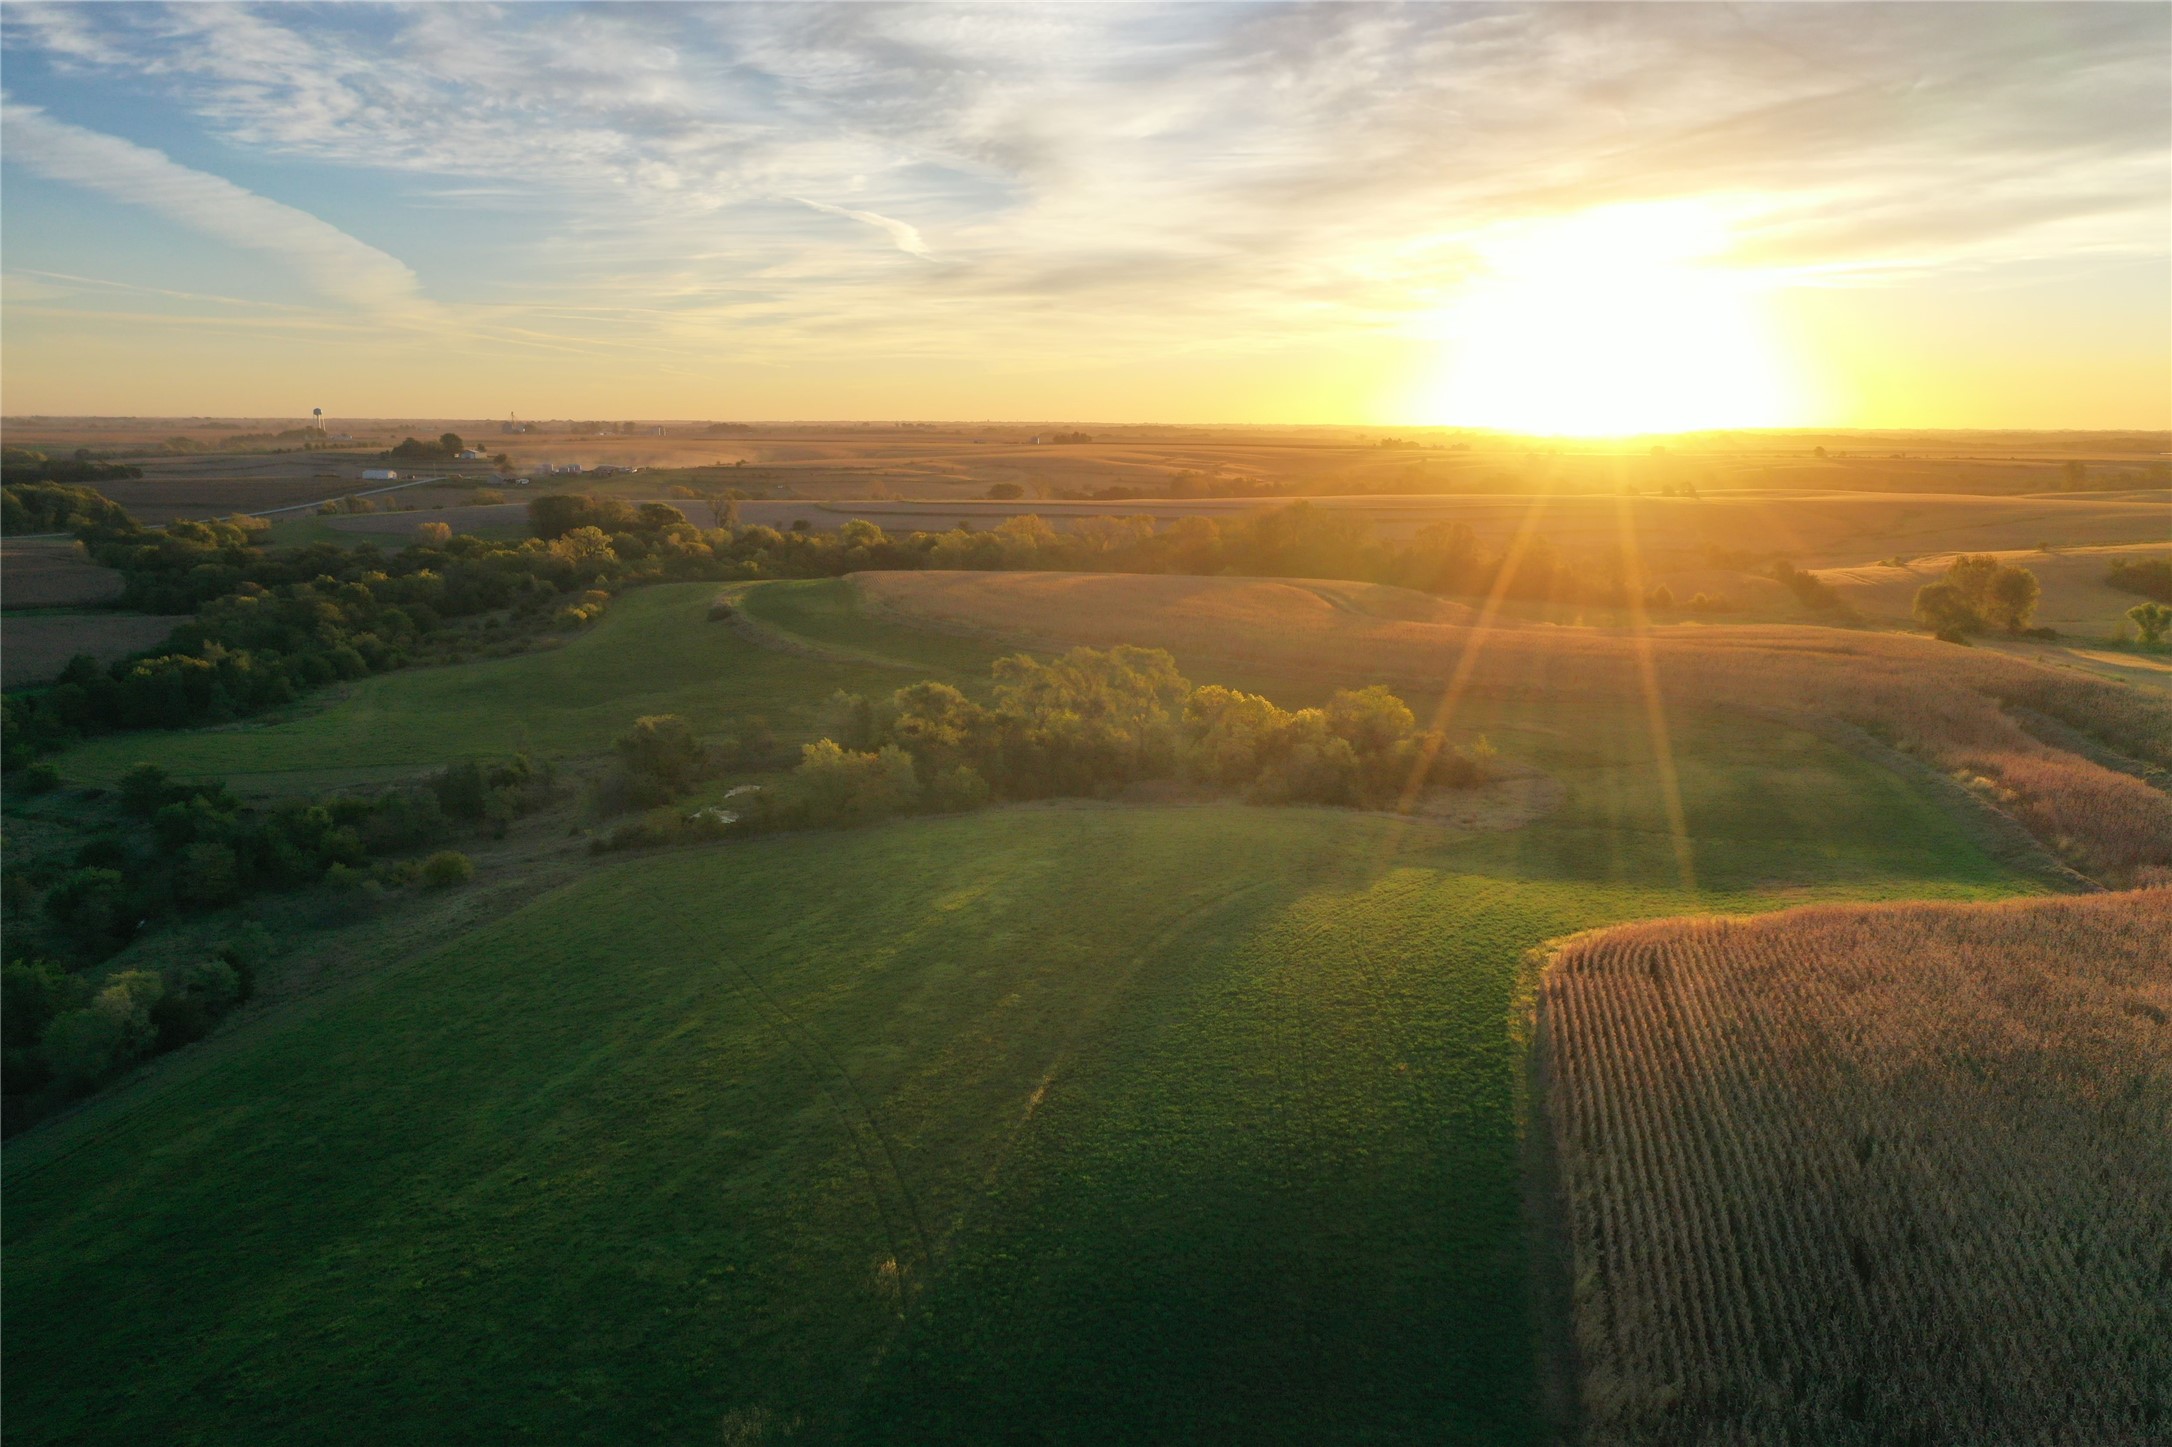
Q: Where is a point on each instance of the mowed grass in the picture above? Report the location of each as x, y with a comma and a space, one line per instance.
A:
1076, 1123
655, 651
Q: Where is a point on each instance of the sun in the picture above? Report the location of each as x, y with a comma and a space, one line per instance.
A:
1614, 322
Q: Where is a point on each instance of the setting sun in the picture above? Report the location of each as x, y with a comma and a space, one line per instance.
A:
1610, 323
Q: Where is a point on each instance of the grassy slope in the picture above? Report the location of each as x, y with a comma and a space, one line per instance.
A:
1223, 1148
1184, 1123
654, 652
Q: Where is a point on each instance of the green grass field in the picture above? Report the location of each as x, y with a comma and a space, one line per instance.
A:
654, 652
1077, 1123
1081, 1123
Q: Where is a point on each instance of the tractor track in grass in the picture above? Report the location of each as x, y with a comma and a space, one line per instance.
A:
858, 1119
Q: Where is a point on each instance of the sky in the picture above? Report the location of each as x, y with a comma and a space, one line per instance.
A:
1549, 217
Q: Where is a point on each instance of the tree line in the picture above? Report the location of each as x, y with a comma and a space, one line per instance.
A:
271, 625
173, 849
1089, 724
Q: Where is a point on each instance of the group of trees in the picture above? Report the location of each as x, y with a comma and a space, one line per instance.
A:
179, 848
1092, 723
173, 849
1089, 724
1978, 593
37, 506
447, 446
271, 625
2152, 578
64, 1035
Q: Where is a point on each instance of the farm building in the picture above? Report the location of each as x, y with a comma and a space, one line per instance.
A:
379, 474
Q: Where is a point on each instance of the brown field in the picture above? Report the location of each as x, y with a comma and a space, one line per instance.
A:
36, 648
216, 486
1951, 705
1824, 529
958, 462
1876, 1174
51, 574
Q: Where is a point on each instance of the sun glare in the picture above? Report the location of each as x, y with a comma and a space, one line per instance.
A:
1611, 323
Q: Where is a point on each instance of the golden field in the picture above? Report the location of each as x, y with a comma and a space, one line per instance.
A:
1870, 1174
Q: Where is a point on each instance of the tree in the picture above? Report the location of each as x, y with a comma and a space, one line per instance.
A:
1945, 610
663, 747
1978, 592
2151, 620
839, 786
450, 444
433, 535
2012, 596
92, 906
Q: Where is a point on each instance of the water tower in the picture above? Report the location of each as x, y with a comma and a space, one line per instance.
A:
318, 414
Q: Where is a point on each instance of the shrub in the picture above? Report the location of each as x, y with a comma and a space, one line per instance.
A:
2151, 620
840, 786
2151, 577
662, 747
93, 908
447, 868
433, 535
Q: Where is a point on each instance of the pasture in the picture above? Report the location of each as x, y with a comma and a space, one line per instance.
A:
1222, 1147
654, 651
1848, 1175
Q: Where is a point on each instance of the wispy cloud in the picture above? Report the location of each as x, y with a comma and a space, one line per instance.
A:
904, 235
333, 263
1253, 174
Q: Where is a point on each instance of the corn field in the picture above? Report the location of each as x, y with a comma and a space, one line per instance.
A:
1884, 1174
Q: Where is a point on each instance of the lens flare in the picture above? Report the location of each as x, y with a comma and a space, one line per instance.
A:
1612, 323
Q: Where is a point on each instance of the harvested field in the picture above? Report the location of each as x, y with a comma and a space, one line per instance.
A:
52, 574
36, 648
1870, 1174
1821, 528
1944, 702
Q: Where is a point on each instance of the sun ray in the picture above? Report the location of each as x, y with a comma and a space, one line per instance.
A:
1467, 662
1655, 708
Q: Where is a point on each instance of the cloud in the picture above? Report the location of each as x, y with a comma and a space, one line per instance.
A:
903, 234
1158, 172
333, 263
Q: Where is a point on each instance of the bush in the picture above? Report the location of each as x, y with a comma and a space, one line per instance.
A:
447, 868
2151, 620
662, 747
2151, 577
840, 786
433, 535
